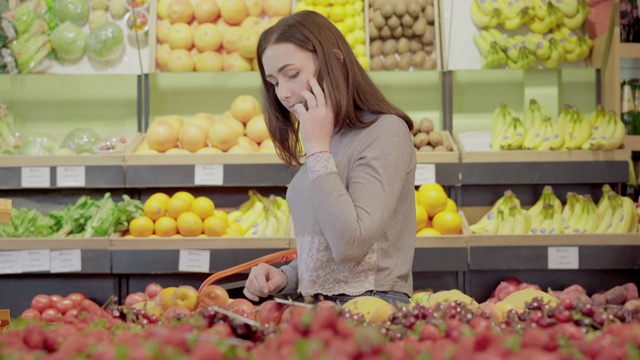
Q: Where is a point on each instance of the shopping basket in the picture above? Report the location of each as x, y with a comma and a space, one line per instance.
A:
275, 258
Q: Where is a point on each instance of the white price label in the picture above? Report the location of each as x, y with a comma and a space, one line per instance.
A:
563, 257
208, 174
35, 177
66, 261
10, 262
194, 260
425, 174
35, 260
70, 176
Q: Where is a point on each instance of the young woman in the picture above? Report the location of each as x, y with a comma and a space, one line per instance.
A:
352, 201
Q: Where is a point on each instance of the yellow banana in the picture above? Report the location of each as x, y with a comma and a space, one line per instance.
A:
482, 19
236, 214
258, 227
482, 45
569, 8
618, 214
539, 25
272, 227
487, 6
614, 141
576, 21
606, 216
252, 215
557, 140
629, 217
506, 227
556, 224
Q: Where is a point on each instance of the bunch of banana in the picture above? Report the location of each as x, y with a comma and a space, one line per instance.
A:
576, 129
576, 47
617, 213
534, 114
484, 14
516, 221
515, 13
545, 17
524, 59
262, 216
578, 8
491, 43
607, 132
546, 213
507, 130
490, 222
580, 216
556, 54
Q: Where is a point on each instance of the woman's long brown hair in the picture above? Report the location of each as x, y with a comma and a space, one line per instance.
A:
347, 85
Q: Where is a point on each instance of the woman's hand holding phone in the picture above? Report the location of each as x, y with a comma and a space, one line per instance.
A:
316, 118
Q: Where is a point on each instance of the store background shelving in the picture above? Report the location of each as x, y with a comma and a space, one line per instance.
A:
457, 101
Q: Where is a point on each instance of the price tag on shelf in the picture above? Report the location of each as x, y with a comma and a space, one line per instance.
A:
563, 257
194, 260
70, 176
35, 260
35, 177
208, 174
425, 174
10, 262
66, 261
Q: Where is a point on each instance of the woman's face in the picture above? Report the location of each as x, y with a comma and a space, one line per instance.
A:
288, 69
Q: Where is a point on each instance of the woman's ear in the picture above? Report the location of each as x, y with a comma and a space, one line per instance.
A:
338, 54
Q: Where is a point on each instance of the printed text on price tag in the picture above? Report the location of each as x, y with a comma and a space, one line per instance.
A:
425, 174
35, 177
35, 260
70, 176
194, 260
66, 261
208, 174
563, 257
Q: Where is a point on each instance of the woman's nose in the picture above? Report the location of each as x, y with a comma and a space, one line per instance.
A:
283, 91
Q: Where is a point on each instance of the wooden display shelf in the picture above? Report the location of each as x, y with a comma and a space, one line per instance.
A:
198, 243
52, 243
630, 50
632, 143
440, 157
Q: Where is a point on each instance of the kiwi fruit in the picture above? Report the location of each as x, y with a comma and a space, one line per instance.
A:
426, 148
376, 63
378, 19
405, 62
389, 47
440, 148
400, 8
429, 14
430, 64
429, 35
398, 32
406, 20
403, 46
419, 26
420, 140
414, 8
436, 138
390, 62
417, 59
393, 22
385, 32
375, 48
386, 9
374, 33
426, 125
415, 44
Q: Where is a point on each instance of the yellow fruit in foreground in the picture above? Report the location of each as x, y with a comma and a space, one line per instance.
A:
428, 231
451, 206
448, 223
234, 11
365, 305
141, 226
189, 224
154, 208
180, 60
421, 218
432, 199
234, 230
447, 296
185, 195
176, 206
180, 36
222, 215
214, 226
160, 196
203, 207
166, 226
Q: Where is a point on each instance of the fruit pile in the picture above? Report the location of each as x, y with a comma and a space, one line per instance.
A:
241, 129
555, 35
425, 139
348, 17
436, 214
402, 34
572, 131
613, 214
518, 322
183, 215
213, 35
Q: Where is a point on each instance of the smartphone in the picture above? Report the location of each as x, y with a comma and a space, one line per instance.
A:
320, 79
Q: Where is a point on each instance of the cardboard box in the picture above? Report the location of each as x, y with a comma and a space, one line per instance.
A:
5, 211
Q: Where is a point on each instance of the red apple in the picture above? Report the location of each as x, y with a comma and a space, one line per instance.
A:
134, 298
186, 296
242, 307
152, 290
213, 295
41, 303
269, 313
76, 298
31, 314
176, 312
64, 305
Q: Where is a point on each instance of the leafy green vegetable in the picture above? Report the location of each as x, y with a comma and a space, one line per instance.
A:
105, 42
25, 224
38, 144
8, 140
80, 140
23, 16
68, 41
76, 11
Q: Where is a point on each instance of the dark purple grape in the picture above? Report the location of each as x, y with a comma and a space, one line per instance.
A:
534, 304
586, 310
563, 316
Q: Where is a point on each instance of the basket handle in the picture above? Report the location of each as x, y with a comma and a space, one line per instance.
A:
275, 258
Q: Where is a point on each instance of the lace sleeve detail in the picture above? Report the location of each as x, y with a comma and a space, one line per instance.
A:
320, 164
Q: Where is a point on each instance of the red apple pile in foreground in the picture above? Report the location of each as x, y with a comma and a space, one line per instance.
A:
176, 322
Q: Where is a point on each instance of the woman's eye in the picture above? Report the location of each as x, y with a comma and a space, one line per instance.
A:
294, 75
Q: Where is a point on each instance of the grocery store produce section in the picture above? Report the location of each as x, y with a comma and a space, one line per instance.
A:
151, 168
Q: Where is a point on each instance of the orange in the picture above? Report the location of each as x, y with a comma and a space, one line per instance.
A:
186, 195
141, 226
222, 215
166, 226
244, 108
234, 11
431, 186
432, 199
428, 232
203, 207
176, 206
421, 218
448, 222
214, 226
189, 224
161, 196
451, 206
154, 208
